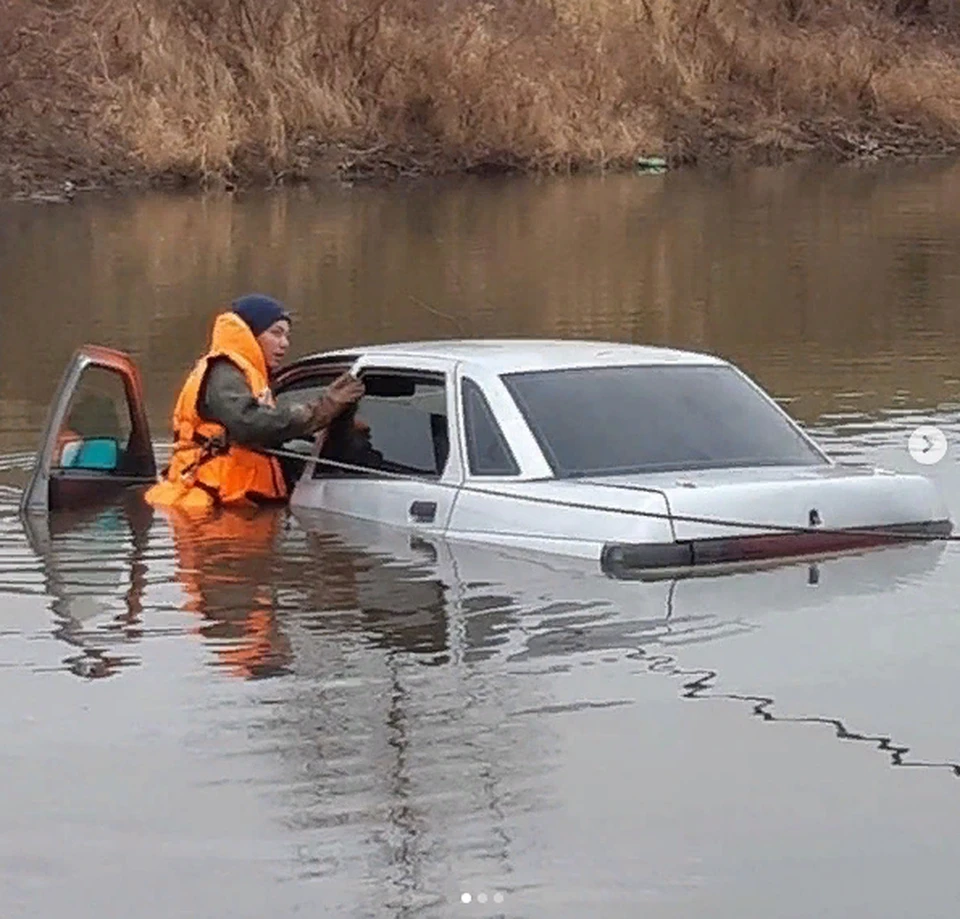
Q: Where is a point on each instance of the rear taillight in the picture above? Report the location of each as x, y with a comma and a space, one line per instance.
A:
631, 559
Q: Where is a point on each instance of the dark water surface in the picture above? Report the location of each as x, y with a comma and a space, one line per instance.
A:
301, 717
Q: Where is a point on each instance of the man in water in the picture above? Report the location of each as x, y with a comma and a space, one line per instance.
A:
226, 414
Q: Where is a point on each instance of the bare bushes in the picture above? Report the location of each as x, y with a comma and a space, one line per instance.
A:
218, 88
212, 84
52, 122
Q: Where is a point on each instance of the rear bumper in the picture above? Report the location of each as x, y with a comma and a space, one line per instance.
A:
654, 561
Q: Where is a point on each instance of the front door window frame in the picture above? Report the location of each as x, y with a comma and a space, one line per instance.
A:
302, 374
36, 496
450, 472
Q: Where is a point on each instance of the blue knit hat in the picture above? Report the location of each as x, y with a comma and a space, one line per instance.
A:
259, 312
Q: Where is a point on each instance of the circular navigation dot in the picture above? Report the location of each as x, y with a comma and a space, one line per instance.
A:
927, 445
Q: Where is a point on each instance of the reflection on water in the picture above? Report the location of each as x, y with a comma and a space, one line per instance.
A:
294, 714
93, 568
411, 738
835, 287
224, 566
699, 685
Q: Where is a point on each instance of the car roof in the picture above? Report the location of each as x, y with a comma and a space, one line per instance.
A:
528, 354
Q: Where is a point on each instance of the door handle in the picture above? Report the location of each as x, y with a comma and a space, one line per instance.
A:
423, 511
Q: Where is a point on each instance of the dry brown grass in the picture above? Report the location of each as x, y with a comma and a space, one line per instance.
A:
50, 108
228, 88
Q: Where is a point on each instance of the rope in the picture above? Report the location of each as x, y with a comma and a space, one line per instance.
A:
892, 535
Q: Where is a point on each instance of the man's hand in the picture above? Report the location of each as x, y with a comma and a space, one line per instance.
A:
343, 392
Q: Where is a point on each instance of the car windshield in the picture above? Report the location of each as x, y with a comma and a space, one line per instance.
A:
610, 420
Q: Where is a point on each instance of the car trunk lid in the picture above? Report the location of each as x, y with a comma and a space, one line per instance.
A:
739, 515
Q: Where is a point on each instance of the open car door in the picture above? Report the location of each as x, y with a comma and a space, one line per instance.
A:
96, 441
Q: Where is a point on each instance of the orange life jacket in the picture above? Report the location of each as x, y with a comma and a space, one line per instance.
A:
205, 468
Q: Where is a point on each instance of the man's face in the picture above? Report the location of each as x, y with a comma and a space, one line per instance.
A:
274, 343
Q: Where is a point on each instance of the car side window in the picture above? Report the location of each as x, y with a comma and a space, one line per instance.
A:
95, 434
488, 452
399, 427
308, 389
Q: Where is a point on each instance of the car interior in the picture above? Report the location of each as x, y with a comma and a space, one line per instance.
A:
405, 431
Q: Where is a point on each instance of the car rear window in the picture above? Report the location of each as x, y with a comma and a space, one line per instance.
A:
610, 420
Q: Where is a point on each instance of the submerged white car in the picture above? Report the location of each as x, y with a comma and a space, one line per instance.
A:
647, 460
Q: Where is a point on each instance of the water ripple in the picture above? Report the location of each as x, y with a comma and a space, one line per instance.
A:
395, 703
699, 684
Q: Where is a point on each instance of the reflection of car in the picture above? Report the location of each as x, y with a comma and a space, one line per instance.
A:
550, 605
644, 458
94, 576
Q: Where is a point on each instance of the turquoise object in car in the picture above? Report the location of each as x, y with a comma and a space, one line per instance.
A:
99, 453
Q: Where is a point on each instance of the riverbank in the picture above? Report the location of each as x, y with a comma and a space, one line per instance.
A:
234, 93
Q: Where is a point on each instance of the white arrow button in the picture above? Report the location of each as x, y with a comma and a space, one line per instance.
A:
927, 445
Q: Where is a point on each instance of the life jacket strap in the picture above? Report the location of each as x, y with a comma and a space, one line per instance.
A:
212, 446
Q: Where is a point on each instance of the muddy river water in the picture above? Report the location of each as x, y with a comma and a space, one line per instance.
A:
301, 718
